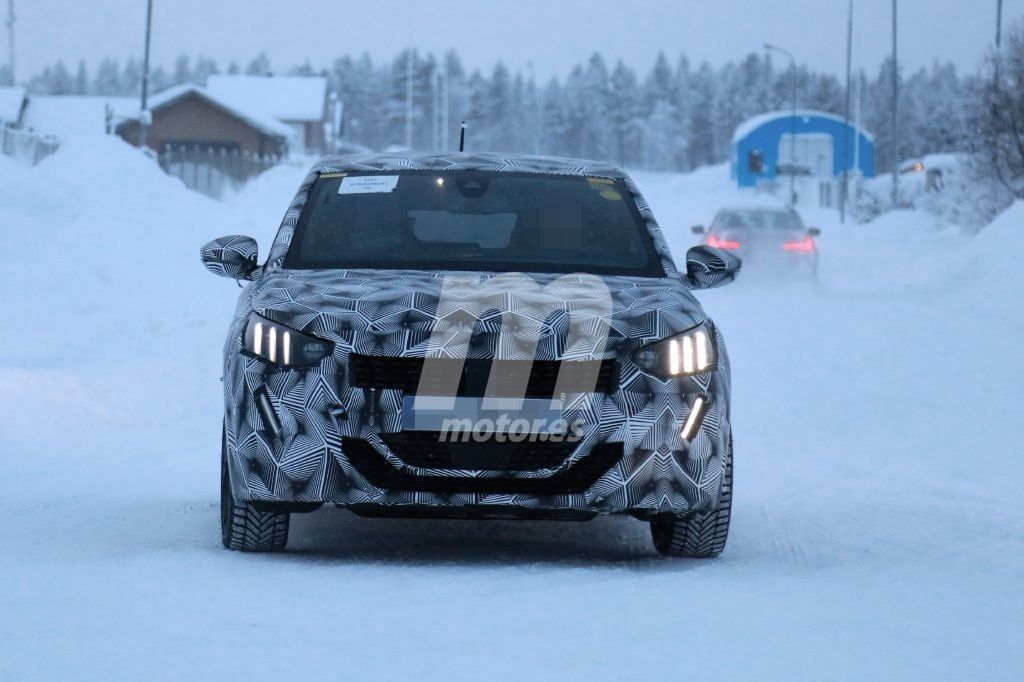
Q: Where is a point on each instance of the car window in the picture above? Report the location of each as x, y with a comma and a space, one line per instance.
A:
757, 220
470, 220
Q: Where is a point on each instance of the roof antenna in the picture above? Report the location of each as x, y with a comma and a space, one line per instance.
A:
462, 137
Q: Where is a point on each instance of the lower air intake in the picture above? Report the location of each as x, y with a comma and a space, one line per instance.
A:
575, 479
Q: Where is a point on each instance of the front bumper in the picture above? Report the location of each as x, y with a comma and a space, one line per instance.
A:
307, 436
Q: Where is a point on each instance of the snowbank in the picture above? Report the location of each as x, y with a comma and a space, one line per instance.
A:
102, 256
996, 256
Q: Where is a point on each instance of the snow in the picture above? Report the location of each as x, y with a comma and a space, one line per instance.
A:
878, 527
254, 116
63, 115
12, 99
286, 98
754, 122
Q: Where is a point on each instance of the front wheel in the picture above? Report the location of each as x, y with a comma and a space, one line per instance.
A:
699, 534
242, 526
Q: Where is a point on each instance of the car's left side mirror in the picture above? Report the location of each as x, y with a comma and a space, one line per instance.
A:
233, 256
814, 231
708, 267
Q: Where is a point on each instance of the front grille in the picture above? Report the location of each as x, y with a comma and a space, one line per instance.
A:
575, 479
374, 371
425, 449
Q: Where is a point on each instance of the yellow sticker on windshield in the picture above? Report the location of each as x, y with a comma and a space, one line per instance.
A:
611, 195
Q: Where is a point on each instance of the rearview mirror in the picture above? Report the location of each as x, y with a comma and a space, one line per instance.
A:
708, 267
697, 229
233, 256
813, 231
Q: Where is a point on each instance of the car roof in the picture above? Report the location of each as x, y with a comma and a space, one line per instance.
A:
478, 161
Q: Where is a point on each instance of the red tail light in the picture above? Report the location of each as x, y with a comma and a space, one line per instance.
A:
722, 243
806, 244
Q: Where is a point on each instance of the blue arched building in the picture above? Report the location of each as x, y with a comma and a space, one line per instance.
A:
765, 145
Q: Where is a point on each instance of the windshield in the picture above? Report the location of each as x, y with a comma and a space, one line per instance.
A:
757, 220
471, 220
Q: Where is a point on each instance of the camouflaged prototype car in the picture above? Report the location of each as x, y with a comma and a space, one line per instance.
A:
474, 335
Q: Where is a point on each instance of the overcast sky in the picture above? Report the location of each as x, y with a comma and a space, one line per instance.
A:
552, 34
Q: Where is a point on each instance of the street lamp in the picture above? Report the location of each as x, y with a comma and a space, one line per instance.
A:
792, 122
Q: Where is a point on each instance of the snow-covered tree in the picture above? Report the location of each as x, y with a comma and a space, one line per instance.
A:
81, 85
675, 118
625, 115
108, 78
131, 78
204, 68
997, 116
703, 97
182, 70
664, 139
259, 66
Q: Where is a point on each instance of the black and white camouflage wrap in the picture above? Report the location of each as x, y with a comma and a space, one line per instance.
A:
708, 267
394, 313
233, 256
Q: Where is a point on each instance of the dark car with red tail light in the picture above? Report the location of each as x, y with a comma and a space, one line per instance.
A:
765, 237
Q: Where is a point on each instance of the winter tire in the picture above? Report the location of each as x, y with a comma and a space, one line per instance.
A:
243, 527
697, 535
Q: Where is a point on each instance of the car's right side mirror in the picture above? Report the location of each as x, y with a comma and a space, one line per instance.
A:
814, 231
697, 229
708, 267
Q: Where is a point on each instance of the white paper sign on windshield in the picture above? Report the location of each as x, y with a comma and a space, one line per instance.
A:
368, 184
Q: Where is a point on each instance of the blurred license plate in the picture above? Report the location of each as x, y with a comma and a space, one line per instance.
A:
495, 415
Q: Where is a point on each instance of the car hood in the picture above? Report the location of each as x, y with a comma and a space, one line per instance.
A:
396, 312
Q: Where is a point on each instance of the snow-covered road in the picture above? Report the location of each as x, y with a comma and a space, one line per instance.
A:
878, 527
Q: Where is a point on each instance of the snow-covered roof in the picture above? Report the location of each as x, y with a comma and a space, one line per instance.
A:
755, 122
12, 99
286, 98
262, 122
75, 115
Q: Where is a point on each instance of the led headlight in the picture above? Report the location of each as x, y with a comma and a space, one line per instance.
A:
691, 352
282, 346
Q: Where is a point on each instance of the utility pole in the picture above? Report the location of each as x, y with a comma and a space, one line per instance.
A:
893, 114
144, 117
536, 108
857, 117
792, 122
844, 191
10, 36
998, 39
435, 124
445, 109
999, 23
408, 99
